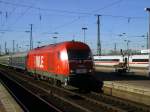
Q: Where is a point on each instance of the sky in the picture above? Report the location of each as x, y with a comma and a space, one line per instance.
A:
68, 17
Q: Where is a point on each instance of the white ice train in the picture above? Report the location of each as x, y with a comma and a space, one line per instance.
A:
135, 61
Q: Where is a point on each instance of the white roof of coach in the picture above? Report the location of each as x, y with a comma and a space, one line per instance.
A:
139, 56
108, 57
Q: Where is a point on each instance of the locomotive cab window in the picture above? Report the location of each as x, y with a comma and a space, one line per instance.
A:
79, 54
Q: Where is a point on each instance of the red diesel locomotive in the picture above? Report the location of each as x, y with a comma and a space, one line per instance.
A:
65, 62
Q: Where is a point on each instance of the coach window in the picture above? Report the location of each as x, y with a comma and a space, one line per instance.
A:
116, 60
139, 60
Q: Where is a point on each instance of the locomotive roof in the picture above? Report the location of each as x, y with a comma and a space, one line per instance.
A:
60, 44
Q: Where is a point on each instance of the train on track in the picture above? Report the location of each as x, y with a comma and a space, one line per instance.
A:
132, 61
65, 63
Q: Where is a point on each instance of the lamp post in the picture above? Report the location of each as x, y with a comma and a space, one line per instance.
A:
148, 10
31, 39
84, 28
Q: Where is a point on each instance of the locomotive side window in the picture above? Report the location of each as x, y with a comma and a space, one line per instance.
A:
139, 60
79, 54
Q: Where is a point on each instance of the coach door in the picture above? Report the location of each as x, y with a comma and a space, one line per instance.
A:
51, 61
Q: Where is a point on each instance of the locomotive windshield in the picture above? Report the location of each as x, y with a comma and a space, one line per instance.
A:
79, 55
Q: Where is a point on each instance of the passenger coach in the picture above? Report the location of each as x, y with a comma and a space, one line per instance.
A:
134, 61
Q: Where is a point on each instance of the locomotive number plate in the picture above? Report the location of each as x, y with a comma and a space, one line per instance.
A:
81, 71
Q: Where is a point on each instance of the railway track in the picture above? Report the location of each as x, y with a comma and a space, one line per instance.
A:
63, 98
28, 100
123, 104
23, 107
89, 102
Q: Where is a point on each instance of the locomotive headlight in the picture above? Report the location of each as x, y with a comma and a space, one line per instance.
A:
63, 55
71, 71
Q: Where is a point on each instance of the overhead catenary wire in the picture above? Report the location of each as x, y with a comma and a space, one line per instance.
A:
17, 19
68, 12
74, 12
9, 14
65, 11
77, 15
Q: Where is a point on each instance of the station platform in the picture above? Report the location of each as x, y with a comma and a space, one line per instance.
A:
7, 103
137, 91
133, 71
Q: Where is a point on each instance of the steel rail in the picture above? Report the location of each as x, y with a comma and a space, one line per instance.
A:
119, 102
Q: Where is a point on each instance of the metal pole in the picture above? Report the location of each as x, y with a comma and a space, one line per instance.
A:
147, 41
98, 36
5, 47
31, 40
84, 28
13, 46
0, 50
128, 53
148, 9
115, 48
17, 48
84, 35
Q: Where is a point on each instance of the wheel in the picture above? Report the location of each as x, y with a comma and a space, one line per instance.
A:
66, 83
58, 83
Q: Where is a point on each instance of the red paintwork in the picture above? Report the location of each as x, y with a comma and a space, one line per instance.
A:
51, 61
